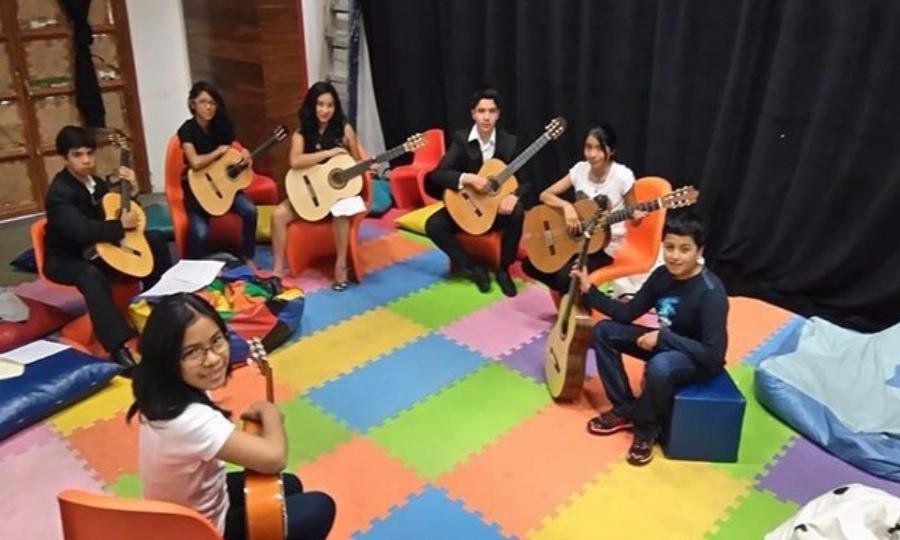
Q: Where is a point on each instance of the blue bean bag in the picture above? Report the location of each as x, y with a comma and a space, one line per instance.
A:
839, 388
48, 385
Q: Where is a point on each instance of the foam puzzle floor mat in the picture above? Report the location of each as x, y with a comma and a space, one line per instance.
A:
419, 404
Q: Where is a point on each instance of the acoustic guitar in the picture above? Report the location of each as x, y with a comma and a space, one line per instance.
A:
314, 190
571, 334
476, 211
549, 243
263, 493
215, 185
131, 255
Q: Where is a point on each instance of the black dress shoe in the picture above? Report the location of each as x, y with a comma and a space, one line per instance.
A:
122, 356
507, 285
479, 277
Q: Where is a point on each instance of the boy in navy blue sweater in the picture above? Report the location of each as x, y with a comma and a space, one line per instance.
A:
692, 308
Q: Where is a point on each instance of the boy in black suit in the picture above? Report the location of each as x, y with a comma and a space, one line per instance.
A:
75, 222
468, 151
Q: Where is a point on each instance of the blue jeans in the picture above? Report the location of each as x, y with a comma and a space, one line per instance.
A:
198, 225
663, 373
309, 515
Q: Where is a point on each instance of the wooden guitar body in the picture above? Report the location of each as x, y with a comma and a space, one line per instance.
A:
131, 255
567, 345
314, 190
547, 239
475, 212
213, 186
264, 500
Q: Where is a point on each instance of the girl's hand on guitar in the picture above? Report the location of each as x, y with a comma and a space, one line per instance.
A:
246, 157
129, 219
338, 150
573, 223
648, 341
584, 280
638, 215
263, 412
220, 151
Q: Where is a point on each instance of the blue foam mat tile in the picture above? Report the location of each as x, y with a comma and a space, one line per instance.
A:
380, 389
431, 514
263, 257
783, 341
325, 307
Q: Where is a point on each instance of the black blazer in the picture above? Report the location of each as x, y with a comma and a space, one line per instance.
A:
75, 218
465, 157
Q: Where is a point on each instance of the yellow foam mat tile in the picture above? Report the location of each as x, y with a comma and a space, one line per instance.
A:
665, 499
340, 348
115, 397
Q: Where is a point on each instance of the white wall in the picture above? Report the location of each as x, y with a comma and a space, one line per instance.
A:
314, 37
163, 75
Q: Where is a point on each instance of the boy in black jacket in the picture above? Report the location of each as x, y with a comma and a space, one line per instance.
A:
692, 308
75, 222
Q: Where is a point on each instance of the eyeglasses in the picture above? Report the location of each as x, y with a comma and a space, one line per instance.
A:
206, 102
196, 355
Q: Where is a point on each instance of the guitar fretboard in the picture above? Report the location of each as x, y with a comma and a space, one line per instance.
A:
521, 159
364, 165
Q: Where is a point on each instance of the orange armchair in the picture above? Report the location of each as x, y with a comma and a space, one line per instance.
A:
223, 230
80, 331
408, 181
307, 241
88, 516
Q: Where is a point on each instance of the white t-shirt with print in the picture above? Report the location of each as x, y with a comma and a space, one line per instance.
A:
178, 463
618, 181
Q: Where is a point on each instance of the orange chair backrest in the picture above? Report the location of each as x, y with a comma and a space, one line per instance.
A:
89, 516
174, 191
647, 236
366, 192
38, 229
429, 155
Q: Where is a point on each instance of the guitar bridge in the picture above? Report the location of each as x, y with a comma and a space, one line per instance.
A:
212, 184
128, 249
312, 192
471, 202
548, 238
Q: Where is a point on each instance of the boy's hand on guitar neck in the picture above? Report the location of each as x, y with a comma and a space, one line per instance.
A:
128, 175
584, 280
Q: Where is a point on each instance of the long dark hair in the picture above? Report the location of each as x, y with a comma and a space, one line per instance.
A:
606, 134
160, 392
221, 125
309, 124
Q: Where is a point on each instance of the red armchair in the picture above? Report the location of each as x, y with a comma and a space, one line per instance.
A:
408, 181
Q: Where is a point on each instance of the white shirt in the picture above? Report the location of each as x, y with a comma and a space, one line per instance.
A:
618, 181
488, 147
178, 461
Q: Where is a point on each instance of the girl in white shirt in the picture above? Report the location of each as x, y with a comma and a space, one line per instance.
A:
185, 438
599, 174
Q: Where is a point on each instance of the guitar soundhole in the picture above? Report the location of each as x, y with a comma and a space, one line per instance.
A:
493, 186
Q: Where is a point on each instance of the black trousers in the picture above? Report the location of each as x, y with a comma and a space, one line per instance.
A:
441, 228
92, 278
559, 280
309, 515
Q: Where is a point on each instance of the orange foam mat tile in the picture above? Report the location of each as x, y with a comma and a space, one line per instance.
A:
534, 467
364, 481
751, 321
110, 446
386, 250
245, 386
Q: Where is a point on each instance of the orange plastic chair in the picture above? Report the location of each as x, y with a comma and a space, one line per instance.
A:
484, 248
408, 181
79, 332
640, 247
89, 516
223, 230
308, 241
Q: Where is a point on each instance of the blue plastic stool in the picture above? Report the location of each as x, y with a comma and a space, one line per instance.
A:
706, 421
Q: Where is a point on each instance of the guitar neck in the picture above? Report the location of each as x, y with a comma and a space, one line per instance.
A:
268, 143
522, 159
270, 388
364, 165
125, 185
625, 213
574, 284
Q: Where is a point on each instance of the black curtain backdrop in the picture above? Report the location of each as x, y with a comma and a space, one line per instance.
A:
783, 112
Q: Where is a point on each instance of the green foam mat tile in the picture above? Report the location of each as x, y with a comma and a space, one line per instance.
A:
447, 427
762, 436
126, 485
456, 298
755, 515
310, 431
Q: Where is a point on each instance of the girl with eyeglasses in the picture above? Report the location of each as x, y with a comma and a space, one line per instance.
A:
185, 438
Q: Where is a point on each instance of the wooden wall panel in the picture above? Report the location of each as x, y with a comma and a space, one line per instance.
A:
253, 51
